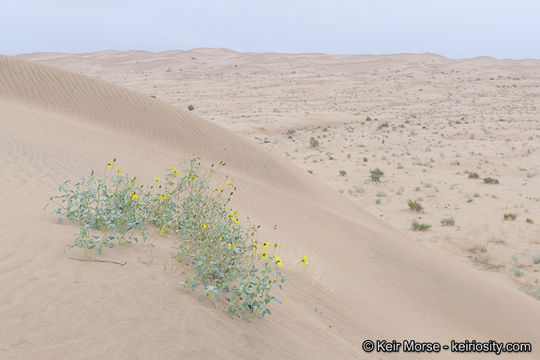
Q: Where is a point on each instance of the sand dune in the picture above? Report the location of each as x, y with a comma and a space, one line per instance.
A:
426, 120
366, 280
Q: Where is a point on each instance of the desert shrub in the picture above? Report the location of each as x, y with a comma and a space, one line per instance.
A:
517, 272
314, 143
191, 107
535, 293
416, 226
474, 175
383, 125
536, 258
376, 175
342, 173
224, 257
489, 180
529, 221
510, 216
448, 222
414, 205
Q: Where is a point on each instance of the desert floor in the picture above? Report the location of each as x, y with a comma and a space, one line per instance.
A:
427, 122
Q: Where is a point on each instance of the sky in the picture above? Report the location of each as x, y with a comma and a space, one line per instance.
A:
453, 28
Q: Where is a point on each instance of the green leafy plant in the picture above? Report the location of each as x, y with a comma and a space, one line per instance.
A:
383, 125
489, 180
517, 272
510, 216
414, 205
314, 143
376, 175
416, 226
226, 261
448, 222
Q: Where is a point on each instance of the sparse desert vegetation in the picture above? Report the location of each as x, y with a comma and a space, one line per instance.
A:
224, 257
414, 205
416, 226
510, 216
448, 222
489, 180
375, 175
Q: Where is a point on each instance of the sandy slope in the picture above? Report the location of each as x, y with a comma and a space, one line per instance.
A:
366, 279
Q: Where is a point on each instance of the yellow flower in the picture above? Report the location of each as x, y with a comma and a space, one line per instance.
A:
192, 178
203, 226
276, 245
162, 197
175, 171
278, 261
119, 171
254, 245
230, 245
229, 183
156, 180
233, 215
265, 245
161, 231
304, 261
264, 254
110, 164
134, 195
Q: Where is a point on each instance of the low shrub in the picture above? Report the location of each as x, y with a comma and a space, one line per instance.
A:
414, 205
376, 174
510, 216
489, 180
225, 259
416, 226
448, 222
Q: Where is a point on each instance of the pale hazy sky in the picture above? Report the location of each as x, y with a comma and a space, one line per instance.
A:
454, 28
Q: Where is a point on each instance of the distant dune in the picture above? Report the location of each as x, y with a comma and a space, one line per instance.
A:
366, 279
